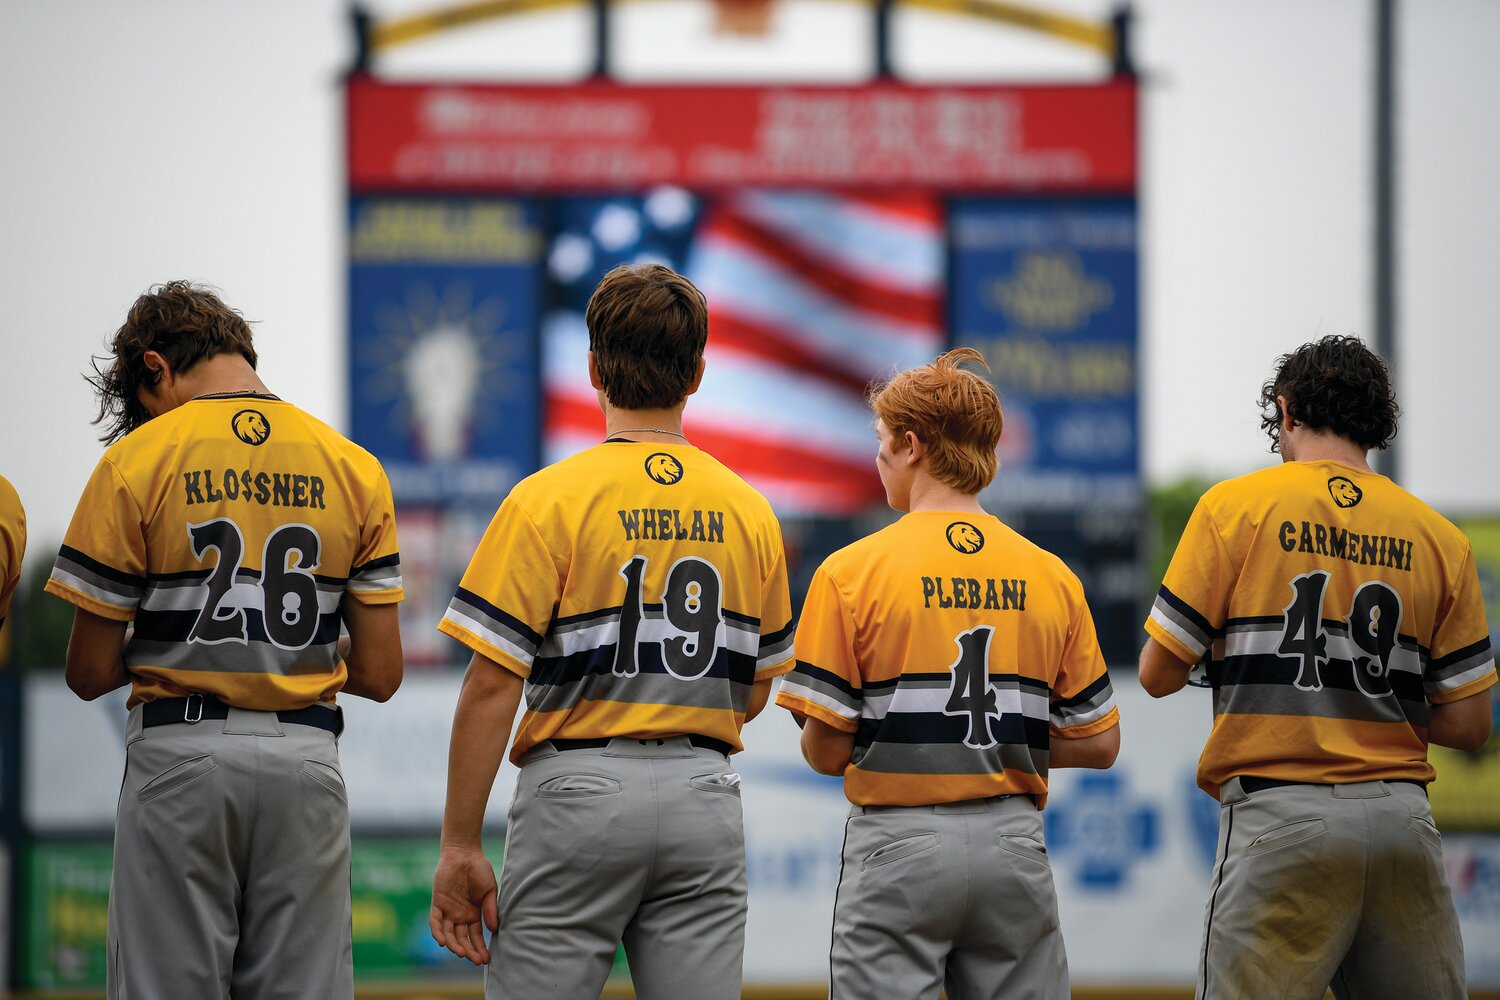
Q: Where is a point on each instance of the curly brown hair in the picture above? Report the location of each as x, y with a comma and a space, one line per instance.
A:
1337, 384
647, 328
182, 322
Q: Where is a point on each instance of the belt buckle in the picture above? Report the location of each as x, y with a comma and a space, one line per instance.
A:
187, 710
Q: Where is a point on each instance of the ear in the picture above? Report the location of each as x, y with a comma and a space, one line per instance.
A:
1287, 423
162, 367
594, 379
915, 449
697, 379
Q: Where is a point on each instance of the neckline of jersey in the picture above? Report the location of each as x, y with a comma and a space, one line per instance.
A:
1342, 465
215, 397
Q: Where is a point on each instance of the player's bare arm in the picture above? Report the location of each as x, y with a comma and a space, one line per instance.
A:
1097, 751
463, 887
760, 693
827, 749
96, 662
1162, 673
373, 650
1463, 724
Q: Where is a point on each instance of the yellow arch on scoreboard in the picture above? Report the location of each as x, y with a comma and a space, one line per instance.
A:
1091, 34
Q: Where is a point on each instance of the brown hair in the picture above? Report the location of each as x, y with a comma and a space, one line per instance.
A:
1336, 384
647, 328
954, 412
182, 322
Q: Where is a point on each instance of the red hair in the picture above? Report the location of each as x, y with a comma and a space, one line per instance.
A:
954, 412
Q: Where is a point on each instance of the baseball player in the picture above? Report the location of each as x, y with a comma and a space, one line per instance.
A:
637, 592
12, 544
944, 665
235, 533
1342, 622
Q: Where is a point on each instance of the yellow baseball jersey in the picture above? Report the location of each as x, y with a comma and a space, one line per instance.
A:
229, 530
1334, 608
12, 543
639, 588
955, 651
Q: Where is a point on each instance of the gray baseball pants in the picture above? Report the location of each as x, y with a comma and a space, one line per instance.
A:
640, 842
955, 896
1330, 885
231, 865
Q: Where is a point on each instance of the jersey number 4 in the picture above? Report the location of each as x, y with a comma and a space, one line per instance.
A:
692, 605
1374, 624
972, 694
289, 591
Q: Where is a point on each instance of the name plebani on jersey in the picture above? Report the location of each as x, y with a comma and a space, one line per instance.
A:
668, 524
269, 489
1353, 546
967, 592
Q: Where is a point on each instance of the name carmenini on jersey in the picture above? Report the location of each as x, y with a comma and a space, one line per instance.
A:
1341, 543
665, 524
275, 489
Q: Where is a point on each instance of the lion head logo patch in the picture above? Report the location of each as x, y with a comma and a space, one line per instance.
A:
251, 426
663, 468
964, 537
1344, 492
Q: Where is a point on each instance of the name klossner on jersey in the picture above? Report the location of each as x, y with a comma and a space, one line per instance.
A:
1339, 543
275, 489
666, 524
967, 592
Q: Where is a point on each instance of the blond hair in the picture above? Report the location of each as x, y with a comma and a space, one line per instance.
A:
954, 412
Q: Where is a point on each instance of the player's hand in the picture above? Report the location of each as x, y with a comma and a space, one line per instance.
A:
464, 903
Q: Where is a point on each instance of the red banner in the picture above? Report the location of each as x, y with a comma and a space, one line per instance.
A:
607, 136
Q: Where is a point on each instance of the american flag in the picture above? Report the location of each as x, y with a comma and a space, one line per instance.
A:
811, 298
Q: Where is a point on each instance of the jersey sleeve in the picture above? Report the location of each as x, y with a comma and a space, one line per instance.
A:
505, 600
101, 566
774, 656
1191, 605
12, 544
825, 684
1461, 662
375, 577
1082, 699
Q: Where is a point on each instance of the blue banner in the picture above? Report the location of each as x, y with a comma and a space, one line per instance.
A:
443, 357
1047, 290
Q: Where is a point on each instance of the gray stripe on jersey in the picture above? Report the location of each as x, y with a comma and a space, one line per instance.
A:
232, 657
1329, 703
641, 689
72, 575
382, 578
951, 758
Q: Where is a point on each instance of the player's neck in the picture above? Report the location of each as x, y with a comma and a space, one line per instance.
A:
663, 425
928, 493
219, 375
1307, 445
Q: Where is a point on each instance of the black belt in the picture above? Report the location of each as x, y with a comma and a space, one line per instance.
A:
197, 707
1252, 784
703, 742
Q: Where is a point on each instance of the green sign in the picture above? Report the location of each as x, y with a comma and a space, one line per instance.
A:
65, 914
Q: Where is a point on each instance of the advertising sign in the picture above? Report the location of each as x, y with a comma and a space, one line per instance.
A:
602, 136
443, 300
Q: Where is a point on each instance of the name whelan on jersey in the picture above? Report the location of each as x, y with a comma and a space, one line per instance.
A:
1339, 543
275, 489
665, 524
967, 592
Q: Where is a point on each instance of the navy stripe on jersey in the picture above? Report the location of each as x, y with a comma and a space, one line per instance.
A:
177, 626
1460, 667
383, 573
105, 584
1088, 705
87, 562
